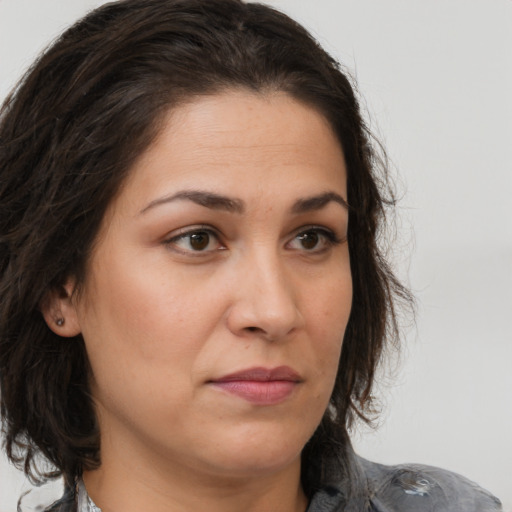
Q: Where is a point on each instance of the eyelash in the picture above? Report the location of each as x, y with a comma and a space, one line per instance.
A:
187, 233
330, 239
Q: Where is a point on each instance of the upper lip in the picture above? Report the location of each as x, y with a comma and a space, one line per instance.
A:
261, 374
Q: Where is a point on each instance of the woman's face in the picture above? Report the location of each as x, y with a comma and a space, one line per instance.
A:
219, 289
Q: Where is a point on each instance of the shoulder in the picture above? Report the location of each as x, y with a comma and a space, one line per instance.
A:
424, 488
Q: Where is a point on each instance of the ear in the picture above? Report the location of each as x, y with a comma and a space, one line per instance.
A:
59, 310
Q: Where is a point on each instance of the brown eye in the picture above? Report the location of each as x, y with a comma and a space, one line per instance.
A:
308, 240
199, 240
314, 240
195, 241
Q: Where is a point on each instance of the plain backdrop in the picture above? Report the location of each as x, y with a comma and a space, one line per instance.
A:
436, 78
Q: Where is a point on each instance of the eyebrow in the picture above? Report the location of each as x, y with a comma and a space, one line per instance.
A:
206, 199
318, 202
217, 202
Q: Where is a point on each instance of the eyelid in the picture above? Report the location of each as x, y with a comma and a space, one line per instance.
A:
182, 233
330, 236
327, 231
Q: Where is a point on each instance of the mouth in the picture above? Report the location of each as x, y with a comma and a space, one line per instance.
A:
260, 386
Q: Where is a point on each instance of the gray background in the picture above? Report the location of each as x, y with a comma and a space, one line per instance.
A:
436, 77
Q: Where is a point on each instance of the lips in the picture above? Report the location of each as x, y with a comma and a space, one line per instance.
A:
261, 386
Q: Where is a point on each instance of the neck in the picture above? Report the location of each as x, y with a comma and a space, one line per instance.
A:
130, 487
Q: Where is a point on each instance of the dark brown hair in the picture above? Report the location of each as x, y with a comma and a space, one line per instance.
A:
69, 135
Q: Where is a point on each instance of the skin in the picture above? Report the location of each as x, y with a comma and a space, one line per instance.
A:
163, 313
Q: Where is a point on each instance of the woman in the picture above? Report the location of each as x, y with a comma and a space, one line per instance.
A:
193, 300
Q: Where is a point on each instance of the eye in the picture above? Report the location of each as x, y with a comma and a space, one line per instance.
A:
200, 240
314, 240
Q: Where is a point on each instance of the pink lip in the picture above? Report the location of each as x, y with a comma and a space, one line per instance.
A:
260, 386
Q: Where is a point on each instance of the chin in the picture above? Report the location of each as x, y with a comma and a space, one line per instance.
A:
261, 453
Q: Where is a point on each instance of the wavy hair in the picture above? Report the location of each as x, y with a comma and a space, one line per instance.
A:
69, 134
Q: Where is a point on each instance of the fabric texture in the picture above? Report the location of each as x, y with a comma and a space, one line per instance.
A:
403, 488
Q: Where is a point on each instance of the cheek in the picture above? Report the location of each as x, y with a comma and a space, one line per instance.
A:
142, 310
330, 304
145, 329
328, 313
142, 337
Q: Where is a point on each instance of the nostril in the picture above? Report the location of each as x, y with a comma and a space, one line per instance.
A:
257, 330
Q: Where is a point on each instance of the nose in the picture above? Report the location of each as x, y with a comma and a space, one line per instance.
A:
265, 300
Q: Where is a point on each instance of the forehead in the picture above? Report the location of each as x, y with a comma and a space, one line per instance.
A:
244, 142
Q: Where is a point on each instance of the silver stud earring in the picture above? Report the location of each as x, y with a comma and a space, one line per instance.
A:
60, 322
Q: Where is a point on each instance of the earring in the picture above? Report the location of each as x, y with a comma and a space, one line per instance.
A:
60, 322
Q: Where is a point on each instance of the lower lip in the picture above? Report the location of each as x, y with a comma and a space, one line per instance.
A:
259, 392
